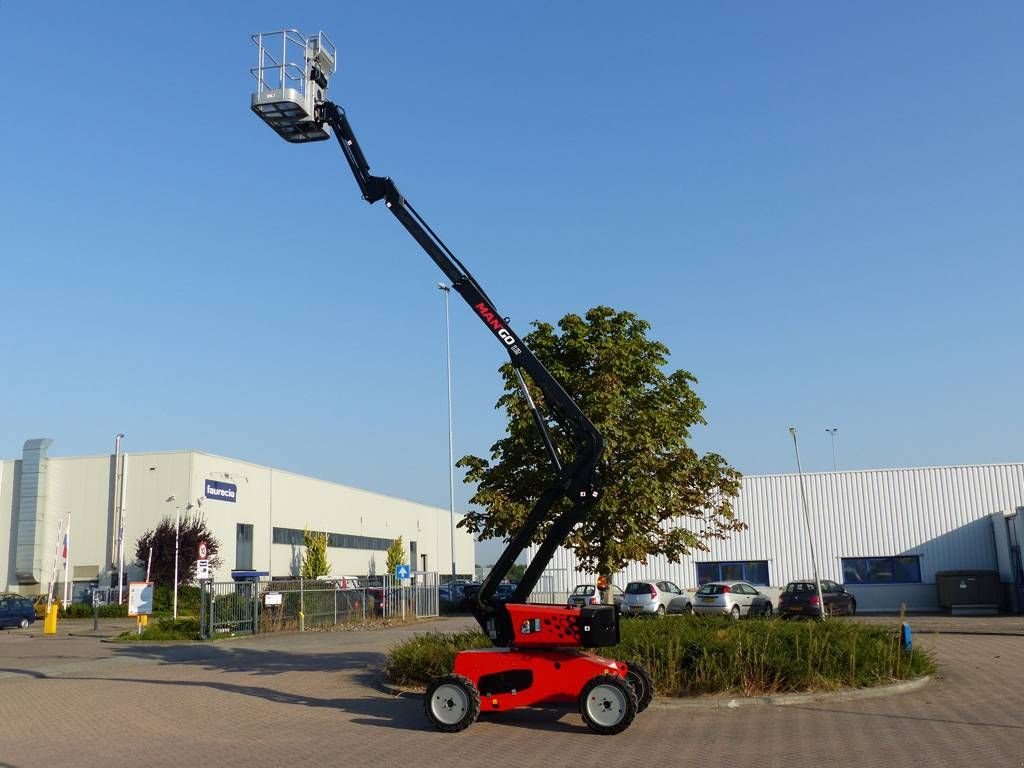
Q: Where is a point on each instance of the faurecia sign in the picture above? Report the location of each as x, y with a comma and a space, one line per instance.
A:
221, 491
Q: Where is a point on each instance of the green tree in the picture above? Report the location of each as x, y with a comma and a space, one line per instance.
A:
659, 496
191, 531
396, 555
314, 560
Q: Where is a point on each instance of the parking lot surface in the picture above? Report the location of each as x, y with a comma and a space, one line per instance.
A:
279, 700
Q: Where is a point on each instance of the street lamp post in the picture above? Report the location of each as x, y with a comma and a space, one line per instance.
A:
451, 454
832, 432
119, 474
807, 522
177, 526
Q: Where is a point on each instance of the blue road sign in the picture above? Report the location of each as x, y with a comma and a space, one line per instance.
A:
401, 571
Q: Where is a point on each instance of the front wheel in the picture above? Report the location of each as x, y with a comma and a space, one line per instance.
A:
853, 607
452, 703
608, 704
767, 612
643, 685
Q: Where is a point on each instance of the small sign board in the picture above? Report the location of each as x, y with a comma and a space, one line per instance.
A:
204, 551
202, 569
272, 598
401, 571
140, 598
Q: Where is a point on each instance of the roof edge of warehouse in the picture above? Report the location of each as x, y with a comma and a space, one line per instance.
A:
250, 463
886, 469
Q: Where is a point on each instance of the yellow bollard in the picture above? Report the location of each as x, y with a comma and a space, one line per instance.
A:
144, 619
50, 622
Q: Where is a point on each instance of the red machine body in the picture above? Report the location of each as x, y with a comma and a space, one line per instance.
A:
508, 678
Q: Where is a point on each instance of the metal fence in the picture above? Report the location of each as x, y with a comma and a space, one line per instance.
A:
299, 604
232, 607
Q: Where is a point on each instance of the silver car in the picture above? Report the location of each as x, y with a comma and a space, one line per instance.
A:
654, 597
731, 598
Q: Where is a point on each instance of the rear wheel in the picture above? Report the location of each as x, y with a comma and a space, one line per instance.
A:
23, 623
452, 703
661, 611
735, 613
608, 704
643, 685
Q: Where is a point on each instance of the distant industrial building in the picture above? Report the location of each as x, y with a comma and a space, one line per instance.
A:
257, 514
882, 534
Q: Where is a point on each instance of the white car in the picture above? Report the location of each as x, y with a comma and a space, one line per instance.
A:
731, 598
655, 598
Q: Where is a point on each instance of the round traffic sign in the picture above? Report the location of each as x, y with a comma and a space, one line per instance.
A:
203, 551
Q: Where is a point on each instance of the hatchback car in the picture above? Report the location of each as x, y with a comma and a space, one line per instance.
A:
589, 594
16, 611
800, 598
731, 598
654, 598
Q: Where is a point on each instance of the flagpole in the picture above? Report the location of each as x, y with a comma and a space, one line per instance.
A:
53, 570
67, 559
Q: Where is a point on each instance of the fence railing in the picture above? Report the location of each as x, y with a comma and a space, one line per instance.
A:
300, 604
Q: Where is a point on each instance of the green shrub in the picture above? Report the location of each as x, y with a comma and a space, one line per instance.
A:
188, 599
84, 611
690, 656
416, 661
164, 629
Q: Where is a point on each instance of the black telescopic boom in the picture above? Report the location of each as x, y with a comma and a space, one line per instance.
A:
577, 480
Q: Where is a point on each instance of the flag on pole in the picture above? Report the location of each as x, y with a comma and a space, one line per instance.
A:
64, 552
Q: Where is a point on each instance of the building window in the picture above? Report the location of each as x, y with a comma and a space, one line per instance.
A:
905, 569
754, 571
295, 537
243, 547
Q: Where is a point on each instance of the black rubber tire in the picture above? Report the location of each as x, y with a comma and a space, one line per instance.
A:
735, 612
767, 613
470, 710
627, 699
23, 623
643, 685
660, 613
688, 610
853, 607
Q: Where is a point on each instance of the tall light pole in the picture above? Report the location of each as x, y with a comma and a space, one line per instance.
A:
451, 451
119, 475
177, 526
807, 521
832, 432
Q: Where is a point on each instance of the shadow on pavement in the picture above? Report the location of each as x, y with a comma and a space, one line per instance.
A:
890, 716
254, 660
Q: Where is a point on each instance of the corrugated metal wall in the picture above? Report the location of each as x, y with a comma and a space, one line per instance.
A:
938, 513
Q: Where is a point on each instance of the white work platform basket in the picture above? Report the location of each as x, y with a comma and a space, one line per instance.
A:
291, 81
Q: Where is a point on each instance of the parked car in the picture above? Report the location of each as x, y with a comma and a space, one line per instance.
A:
800, 598
16, 611
653, 597
589, 594
469, 593
731, 598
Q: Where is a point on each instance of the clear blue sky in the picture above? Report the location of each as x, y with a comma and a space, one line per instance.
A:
819, 210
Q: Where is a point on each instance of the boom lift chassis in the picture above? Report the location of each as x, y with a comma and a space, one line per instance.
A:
537, 658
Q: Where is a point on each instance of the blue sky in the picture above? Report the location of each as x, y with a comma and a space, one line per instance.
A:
819, 210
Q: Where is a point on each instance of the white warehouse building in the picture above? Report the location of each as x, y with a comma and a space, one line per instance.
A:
257, 514
882, 534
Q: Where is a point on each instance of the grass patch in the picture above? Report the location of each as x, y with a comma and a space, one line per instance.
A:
164, 629
689, 656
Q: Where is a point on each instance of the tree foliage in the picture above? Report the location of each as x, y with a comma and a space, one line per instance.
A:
191, 531
396, 555
659, 496
314, 560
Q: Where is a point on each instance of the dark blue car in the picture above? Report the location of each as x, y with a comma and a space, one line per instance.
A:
16, 611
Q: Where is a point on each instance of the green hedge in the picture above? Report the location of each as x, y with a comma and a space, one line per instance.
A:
164, 629
84, 611
690, 655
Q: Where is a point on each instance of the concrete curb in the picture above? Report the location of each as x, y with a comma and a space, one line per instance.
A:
710, 702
